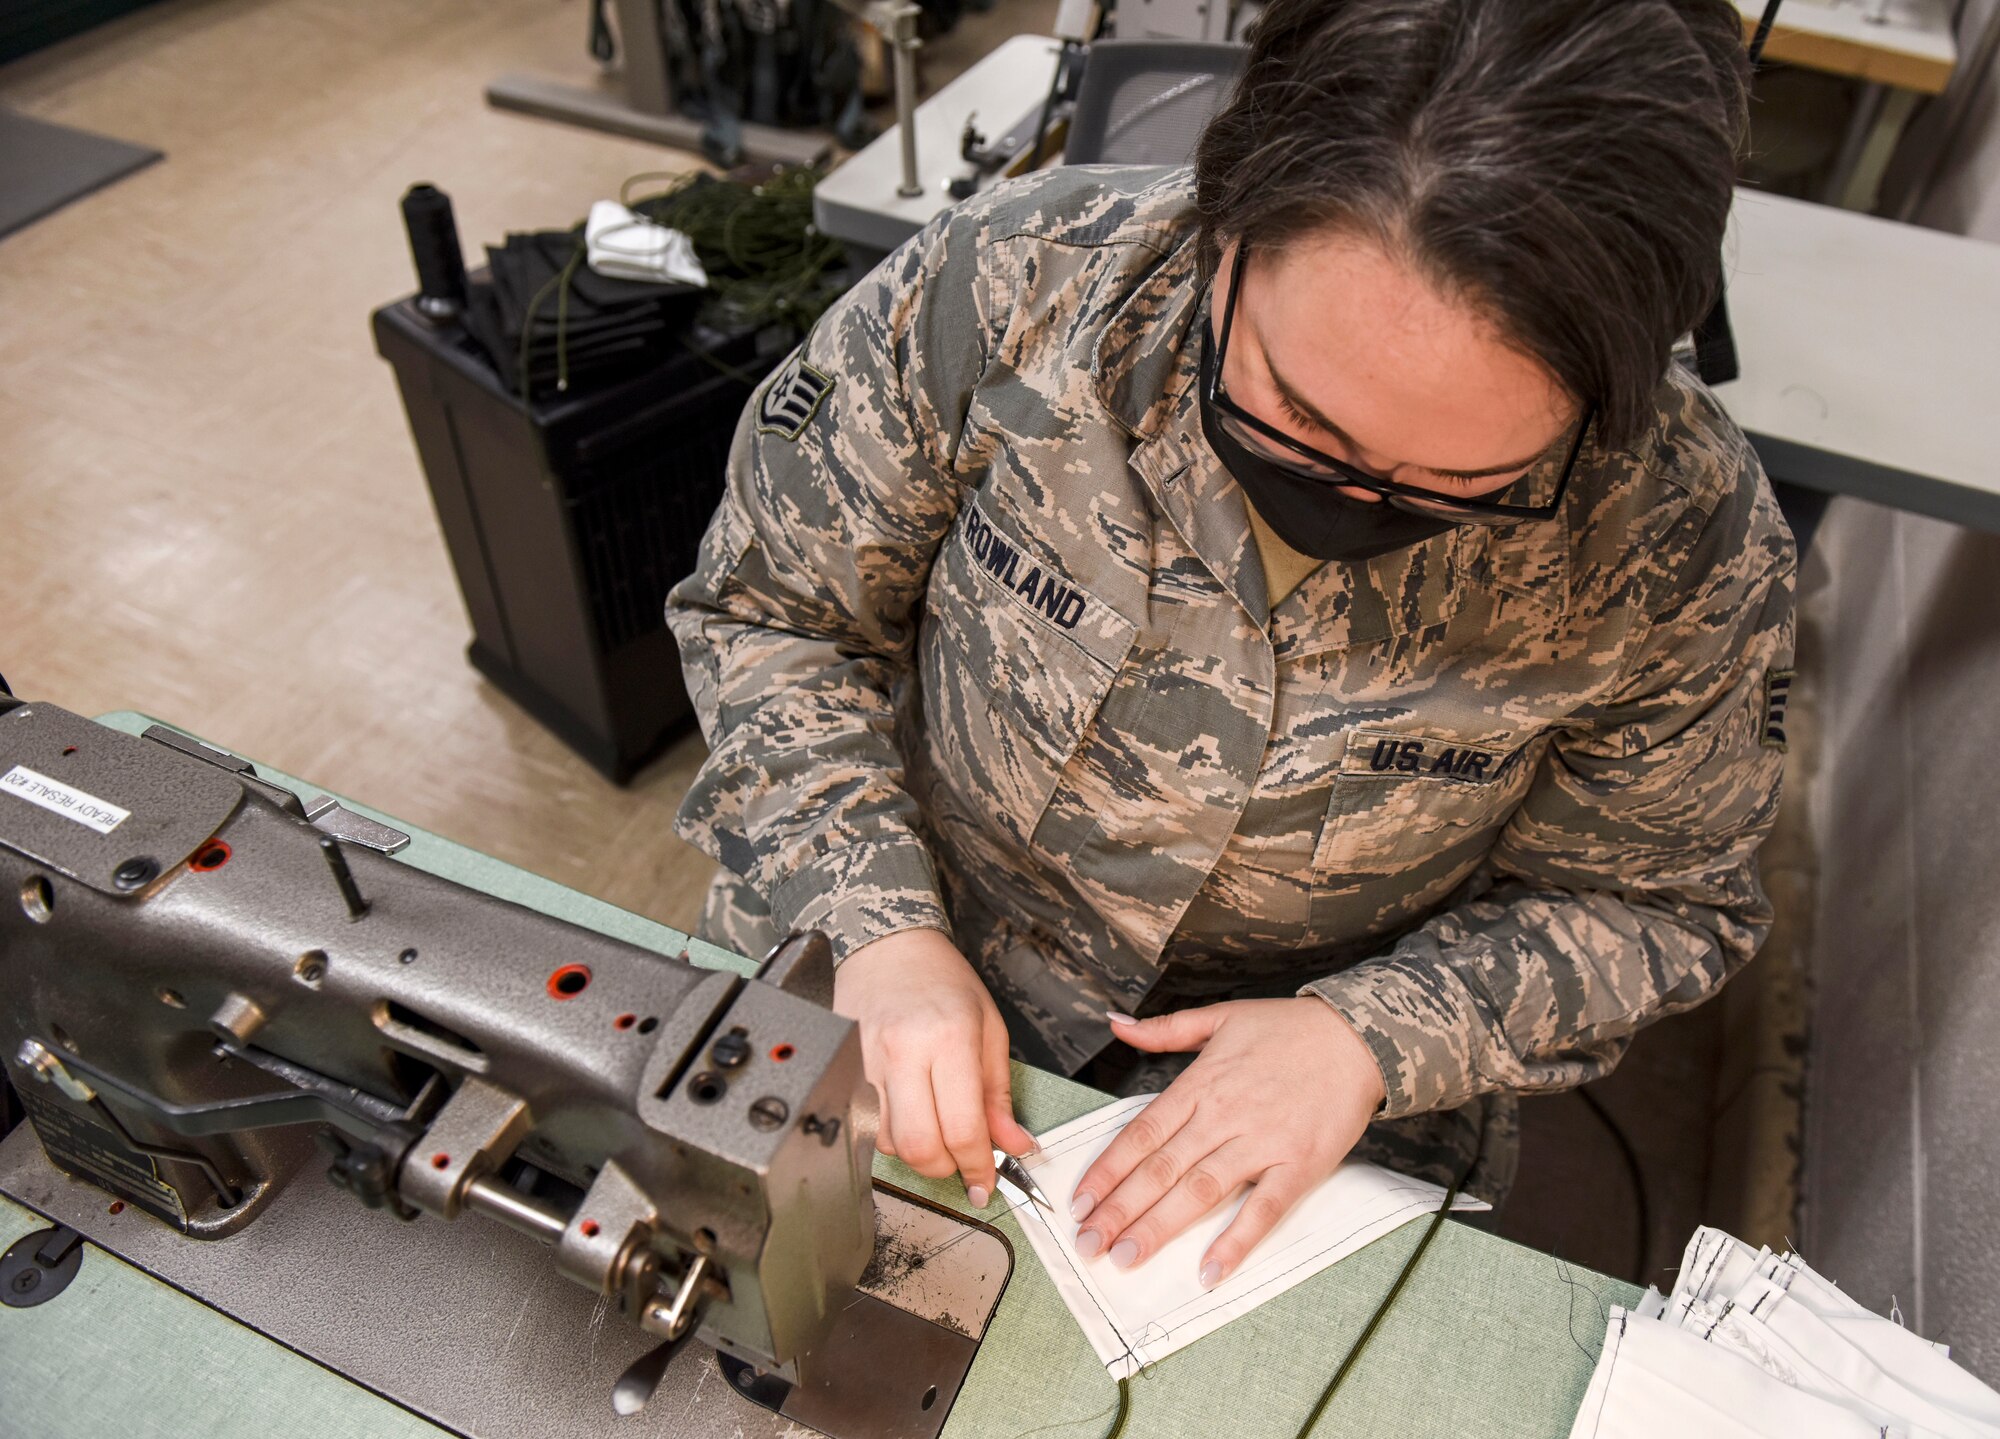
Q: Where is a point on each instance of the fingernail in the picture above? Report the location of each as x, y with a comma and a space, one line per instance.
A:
1080, 1207
1088, 1243
977, 1194
1211, 1274
1125, 1253
1116, 1017
1034, 1148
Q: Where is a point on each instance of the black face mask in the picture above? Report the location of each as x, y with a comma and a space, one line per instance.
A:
1311, 516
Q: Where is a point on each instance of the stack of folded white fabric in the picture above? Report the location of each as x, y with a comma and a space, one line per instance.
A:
1755, 1344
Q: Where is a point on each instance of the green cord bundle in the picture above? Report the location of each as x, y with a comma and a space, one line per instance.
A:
767, 262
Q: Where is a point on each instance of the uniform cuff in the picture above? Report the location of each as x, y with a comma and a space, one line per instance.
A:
862, 893
1422, 1042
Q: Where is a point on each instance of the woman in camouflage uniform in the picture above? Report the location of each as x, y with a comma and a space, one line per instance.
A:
1300, 601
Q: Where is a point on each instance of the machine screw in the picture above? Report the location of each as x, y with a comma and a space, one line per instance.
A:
134, 872
36, 1059
27, 1281
769, 1112
731, 1050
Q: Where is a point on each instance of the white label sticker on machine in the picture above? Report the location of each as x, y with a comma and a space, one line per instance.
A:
65, 800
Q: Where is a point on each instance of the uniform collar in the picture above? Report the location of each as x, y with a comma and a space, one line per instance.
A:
1147, 362
1144, 364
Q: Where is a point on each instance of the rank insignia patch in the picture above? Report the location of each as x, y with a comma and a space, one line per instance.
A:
1777, 689
791, 399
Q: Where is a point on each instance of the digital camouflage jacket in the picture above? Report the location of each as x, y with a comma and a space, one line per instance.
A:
980, 641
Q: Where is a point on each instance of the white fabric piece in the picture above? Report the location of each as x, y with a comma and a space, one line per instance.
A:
1655, 1381
1714, 1264
1135, 1317
1854, 1348
1830, 1302
1862, 1354
1731, 1328
625, 246
1755, 1343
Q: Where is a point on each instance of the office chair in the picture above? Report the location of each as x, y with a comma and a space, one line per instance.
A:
1145, 102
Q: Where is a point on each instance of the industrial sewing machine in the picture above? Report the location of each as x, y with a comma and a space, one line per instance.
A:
216, 992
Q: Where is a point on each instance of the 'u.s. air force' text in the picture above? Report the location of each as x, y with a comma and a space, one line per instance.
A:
1370, 752
1042, 589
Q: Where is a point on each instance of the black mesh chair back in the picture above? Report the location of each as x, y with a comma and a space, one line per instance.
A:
1145, 102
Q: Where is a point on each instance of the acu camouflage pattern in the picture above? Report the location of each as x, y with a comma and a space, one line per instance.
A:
987, 649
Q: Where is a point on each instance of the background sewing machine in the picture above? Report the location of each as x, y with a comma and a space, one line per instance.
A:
473, 1326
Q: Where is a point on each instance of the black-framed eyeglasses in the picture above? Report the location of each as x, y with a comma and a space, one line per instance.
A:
1302, 460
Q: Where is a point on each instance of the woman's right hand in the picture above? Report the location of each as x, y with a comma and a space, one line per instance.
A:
935, 1048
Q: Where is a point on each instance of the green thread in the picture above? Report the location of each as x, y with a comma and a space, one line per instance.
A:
1381, 1312
1124, 1410
1117, 1429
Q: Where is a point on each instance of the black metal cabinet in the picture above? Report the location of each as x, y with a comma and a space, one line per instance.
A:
569, 520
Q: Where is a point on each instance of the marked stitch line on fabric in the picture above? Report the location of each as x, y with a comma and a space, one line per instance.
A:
1155, 1333
1136, 1351
1089, 1289
1617, 1344
1408, 1212
1070, 1142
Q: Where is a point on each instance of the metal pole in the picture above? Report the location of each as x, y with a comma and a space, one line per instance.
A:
903, 41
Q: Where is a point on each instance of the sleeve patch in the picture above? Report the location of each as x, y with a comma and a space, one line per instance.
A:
791, 399
1777, 689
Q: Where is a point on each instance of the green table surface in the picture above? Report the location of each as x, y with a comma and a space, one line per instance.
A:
1488, 1339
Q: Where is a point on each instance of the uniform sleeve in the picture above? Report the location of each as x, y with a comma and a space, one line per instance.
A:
801, 616
1625, 886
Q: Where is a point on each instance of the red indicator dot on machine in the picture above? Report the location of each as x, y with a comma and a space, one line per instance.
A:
782, 1052
569, 981
625, 1021
440, 1161
589, 1227
213, 855
117, 1207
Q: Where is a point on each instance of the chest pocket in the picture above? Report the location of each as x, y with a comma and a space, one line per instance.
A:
1016, 659
1418, 808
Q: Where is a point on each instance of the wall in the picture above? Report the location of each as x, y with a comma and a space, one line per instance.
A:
1901, 640
1964, 194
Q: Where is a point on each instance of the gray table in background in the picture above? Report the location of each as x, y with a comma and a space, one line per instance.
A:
1871, 356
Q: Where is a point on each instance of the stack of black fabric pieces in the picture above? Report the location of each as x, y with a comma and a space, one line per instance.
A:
550, 323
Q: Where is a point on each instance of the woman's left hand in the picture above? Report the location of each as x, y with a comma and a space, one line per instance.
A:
1280, 1092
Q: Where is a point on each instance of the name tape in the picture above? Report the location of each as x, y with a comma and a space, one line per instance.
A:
1044, 591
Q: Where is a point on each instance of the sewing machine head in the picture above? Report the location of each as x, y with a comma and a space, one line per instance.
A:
201, 971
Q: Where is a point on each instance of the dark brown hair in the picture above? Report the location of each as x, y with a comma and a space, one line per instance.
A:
1567, 165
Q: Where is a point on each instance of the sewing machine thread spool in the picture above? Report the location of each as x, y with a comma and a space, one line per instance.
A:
433, 231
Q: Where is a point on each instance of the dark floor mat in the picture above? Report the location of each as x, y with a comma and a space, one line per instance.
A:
43, 167
1575, 1197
